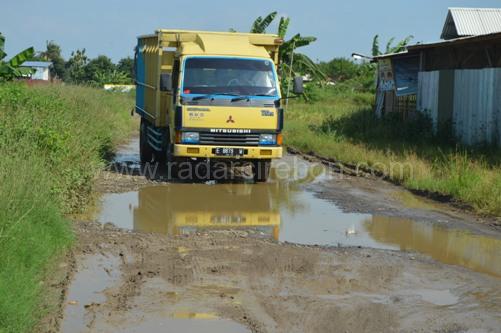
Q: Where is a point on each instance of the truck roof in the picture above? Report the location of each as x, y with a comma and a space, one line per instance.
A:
189, 42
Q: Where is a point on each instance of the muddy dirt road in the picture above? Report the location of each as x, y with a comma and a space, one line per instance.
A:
309, 251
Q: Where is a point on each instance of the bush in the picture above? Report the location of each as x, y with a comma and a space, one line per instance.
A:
52, 140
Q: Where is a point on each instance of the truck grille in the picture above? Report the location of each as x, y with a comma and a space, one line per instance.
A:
229, 139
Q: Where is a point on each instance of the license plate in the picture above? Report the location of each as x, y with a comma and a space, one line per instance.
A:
220, 151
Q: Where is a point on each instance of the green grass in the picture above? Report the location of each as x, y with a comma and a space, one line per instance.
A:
52, 142
341, 125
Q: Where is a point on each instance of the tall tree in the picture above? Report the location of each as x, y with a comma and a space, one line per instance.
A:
52, 53
99, 66
75, 67
126, 65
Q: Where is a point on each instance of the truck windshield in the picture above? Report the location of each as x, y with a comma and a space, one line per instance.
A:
230, 76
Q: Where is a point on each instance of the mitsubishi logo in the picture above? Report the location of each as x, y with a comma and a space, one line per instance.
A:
230, 120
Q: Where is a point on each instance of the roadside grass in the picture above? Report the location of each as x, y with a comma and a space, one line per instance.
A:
341, 125
52, 142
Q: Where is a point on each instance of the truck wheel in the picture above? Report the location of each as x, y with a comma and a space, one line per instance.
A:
145, 150
261, 170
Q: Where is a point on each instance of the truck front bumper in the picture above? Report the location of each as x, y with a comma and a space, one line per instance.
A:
204, 151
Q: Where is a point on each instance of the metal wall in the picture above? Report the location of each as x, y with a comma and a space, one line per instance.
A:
476, 105
473, 96
427, 98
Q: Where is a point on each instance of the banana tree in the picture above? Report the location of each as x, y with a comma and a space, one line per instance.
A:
261, 24
12, 68
301, 64
390, 48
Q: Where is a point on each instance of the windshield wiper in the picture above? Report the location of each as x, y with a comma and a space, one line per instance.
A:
196, 98
240, 98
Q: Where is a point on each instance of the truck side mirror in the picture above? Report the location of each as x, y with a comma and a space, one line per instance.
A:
298, 87
165, 82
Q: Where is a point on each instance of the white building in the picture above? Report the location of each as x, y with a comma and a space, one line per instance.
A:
42, 69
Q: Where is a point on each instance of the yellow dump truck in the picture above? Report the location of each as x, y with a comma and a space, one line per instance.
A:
207, 96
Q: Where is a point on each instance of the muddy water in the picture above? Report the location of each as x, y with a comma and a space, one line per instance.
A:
87, 291
285, 210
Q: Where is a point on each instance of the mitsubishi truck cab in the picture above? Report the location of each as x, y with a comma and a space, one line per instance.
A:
209, 96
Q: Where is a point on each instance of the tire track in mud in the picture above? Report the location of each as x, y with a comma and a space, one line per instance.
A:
271, 287
277, 287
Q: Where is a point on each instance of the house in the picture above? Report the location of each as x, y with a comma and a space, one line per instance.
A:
41, 68
456, 82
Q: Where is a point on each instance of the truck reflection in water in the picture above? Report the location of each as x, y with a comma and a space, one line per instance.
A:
186, 208
283, 210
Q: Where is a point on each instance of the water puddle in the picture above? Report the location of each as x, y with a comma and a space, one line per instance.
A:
128, 154
95, 275
283, 210
194, 325
437, 297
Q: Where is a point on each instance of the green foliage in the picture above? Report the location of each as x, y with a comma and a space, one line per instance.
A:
52, 141
283, 25
11, 69
341, 124
101, 78
349, 75
126, 66
53, 54
400, 47
79, 69
301, 64
340, 69
375, 46
97, 68
261, 24
75, 67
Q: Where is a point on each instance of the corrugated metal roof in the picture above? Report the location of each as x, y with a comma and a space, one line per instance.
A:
456, 41
43, 64
411, 50
461, 22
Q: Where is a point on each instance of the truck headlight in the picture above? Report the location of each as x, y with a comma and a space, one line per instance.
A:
190, 137
268, 139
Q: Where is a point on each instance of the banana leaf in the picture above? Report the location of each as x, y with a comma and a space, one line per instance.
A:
388, 45
375, 46
256, 25
283, 26
304, 64
21, 57
259, 26
2, 47
402, 44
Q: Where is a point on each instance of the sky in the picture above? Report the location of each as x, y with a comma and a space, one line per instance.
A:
110, 27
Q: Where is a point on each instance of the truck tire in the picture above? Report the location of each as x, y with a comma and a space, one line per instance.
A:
163, 156
261, 170
145, 150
